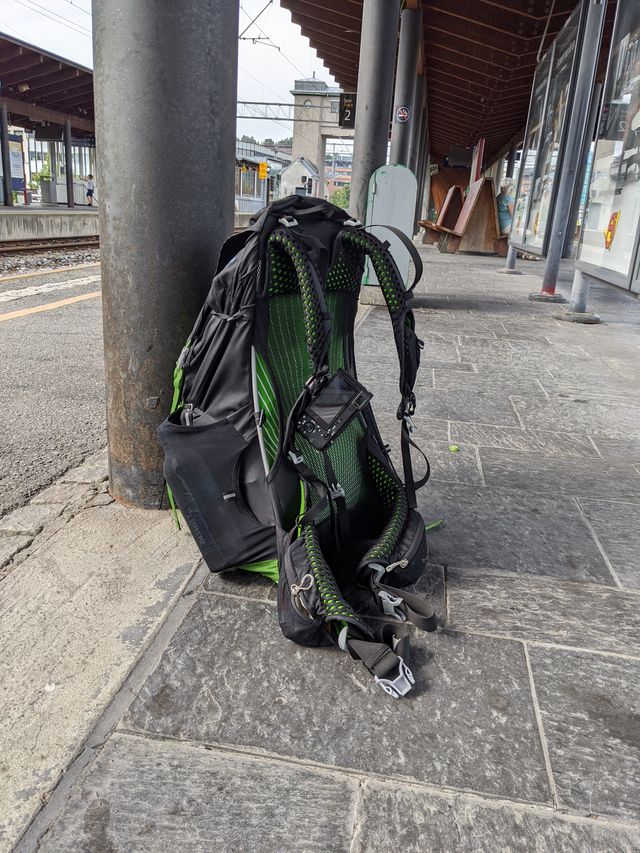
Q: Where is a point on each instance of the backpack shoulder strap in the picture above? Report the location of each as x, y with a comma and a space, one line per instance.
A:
408, 346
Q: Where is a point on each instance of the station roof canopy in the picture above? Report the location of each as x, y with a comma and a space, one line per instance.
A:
479, 59
41, 88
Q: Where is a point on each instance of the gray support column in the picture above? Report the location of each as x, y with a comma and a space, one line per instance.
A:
405, 90
511, 162
68, 163
165, 126
6, 155
577, 312
375, 90
418, 126
574, 145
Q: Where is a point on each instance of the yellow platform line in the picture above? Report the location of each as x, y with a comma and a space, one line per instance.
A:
50, 306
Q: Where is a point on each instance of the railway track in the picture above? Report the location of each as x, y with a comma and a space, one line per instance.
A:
11, 247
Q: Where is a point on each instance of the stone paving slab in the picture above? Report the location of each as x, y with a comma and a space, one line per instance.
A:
590, 707
29, 520
74, 618
460, 466
509, 384
619, 448
515, 438
64, 493
513, 530
152, 796
592, 477
12, 545
543, 611
617, 529
475, 406
469, 724
580, 414
413, 820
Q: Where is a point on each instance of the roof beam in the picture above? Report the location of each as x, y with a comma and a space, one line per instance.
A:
42, 114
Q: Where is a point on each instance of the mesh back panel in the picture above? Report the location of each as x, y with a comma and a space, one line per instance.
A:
290, 325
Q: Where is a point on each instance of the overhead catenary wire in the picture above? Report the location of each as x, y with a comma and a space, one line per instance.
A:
53, 16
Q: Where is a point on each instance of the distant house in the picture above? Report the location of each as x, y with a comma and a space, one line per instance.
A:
300, 177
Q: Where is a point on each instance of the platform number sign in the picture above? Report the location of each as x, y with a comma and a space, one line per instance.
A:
347, 112
262, 171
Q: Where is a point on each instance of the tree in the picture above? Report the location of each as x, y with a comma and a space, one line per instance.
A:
269, 142
285, 143
341, 196
246, 138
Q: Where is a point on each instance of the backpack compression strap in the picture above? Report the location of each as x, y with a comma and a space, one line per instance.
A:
407, 344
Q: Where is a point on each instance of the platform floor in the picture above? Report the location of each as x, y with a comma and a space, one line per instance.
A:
523, 731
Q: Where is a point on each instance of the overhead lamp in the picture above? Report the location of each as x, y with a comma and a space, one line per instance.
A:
23, 87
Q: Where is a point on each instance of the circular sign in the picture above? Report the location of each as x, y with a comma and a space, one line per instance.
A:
402, 114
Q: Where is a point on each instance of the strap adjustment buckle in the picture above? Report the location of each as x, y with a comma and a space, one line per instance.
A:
296, 458
353, 223
336, 491
391, 605
401, 684
288, 221
409, 422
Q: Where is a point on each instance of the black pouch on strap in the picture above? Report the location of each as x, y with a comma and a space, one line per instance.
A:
214, 469
299, 606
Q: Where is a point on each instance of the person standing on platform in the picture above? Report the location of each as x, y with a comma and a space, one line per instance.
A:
505, 202
90, 189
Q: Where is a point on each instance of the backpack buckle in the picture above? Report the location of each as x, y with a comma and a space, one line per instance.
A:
336, 491
296, 458
401, 684
353, 223
288, 221
390, 605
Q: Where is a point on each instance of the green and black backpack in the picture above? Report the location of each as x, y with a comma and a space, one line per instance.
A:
272, 452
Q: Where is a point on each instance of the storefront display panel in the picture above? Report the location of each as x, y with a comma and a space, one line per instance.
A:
612, 218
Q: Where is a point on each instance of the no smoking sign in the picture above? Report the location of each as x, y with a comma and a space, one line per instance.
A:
402, 115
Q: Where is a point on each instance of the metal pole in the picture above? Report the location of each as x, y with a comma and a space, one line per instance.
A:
511, 163
417, 129
165, 126
375, 90
577, 312
594, 110
6, 155
406, 109
574, 145
68, 163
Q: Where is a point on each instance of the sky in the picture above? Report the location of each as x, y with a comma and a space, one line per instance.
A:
64, 27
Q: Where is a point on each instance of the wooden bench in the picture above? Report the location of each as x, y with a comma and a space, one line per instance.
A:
477, 229
447, 217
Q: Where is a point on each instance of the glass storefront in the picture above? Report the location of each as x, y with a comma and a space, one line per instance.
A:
608, 244
546, 128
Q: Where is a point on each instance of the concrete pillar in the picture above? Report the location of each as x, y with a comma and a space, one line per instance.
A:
6, 155
404, 101
574, 146
375, 90
68, 163
165, 129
